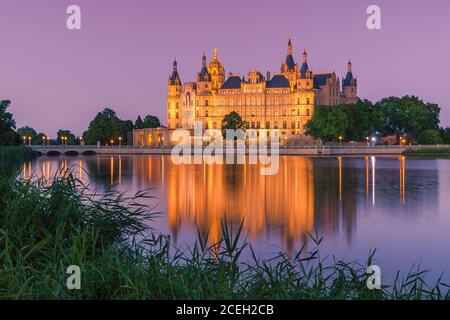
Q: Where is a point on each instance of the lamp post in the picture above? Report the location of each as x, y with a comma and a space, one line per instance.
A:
29, 140
120, 142
368, 143
24, 140
374, 140
340, 139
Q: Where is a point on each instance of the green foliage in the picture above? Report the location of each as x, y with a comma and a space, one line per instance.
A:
328, 123
445, 135
107, 126
232, 121
7, 125
149, 122
408, 115
390, 116
427, 152
71, 138
26, 132
47, 226
430, 136
138, 124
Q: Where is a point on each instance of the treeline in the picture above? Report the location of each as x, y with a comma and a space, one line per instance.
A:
105, 128
407, 117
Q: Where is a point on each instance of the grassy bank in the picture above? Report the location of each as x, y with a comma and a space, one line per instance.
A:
428, 152
11, 157
47, 226
17, 153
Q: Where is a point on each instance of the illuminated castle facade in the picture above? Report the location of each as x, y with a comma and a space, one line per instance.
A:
283, 101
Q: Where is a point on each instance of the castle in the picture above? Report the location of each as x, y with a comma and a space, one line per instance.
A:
284, 101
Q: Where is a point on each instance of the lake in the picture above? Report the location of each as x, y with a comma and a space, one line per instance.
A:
398, 205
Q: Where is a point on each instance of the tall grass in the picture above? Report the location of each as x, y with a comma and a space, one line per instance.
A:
11, 157
433, 152
45, 226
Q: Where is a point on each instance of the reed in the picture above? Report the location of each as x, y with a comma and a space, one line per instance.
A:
46, 226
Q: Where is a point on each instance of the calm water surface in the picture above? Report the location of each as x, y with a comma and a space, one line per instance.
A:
395, 204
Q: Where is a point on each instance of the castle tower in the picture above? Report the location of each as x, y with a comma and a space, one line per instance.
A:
349, 87
174, 91
289, 68
306, 76
216, 72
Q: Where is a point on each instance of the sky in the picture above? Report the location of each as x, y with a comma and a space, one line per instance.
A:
121, 58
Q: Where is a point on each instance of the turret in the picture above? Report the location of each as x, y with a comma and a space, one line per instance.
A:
349, 86
174, 89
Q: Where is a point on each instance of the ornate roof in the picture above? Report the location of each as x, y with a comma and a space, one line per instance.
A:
278, 81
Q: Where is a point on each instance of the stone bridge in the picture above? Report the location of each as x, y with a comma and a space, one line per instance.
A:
344, 149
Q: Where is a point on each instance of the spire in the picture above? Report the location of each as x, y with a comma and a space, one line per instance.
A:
348, 80
175, 64
174, 78
305, 56
204, 60
289, 47
215, 53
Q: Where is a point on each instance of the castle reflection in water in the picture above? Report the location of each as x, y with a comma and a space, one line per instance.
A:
306, 194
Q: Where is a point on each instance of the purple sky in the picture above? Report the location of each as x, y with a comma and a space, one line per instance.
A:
123, 55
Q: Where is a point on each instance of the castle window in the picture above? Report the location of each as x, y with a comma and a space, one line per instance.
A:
275, 125
267, 125
284, 125
206, 103
258, 125
177, 115
253, 125
307, 112
308, 101
206, 113
298, 100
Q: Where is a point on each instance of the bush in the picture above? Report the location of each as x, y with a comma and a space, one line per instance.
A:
429, 137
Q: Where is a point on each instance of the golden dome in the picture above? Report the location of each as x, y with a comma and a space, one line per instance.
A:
215, 67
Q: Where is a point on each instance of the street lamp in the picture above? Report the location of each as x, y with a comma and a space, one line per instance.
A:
29, 140
24, 140
340, 139
374, 140
120, 142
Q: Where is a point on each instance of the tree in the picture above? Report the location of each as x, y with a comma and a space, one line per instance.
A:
430, 136
26, 132
106, 126
232, 121
328, 123
359, 120
445, 135
409, 115
151, 122
138, 124
7, 125
71, 138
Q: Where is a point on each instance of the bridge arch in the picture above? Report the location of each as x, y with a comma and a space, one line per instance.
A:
53, 153
89, 153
